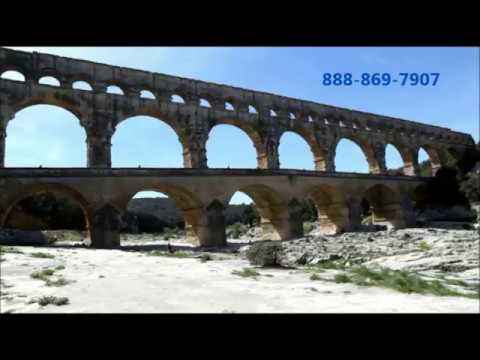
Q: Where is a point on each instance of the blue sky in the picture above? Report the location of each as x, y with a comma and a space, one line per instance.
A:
49, 136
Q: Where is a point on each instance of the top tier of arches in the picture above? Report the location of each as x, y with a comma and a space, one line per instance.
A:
98, 78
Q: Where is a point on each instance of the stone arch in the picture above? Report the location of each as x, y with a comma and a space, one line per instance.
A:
394, 151
169, 121
76, 133
12, 74
435, 157
114, 89
318, 154
64, 102
27, 191
17, 68
366, 150
333, 213
249, 130
272, 209
194, 211
216, 147
82, 85
50, 81
385, 204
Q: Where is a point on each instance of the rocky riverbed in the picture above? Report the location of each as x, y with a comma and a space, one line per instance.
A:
312, 274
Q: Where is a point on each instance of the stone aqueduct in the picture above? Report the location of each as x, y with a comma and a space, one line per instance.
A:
204, 193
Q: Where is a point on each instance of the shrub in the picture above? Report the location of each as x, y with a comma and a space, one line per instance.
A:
47, 300
342, 278
263, 253
308, 227
246, 272
424, 245
234, 231
205, 257
41, 255
170, 233
42, 274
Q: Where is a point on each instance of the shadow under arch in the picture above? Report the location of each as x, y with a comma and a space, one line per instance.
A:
193, 210
366, 149
317, 153
31, 190
385, 204
273, 211
333, 212
249, 130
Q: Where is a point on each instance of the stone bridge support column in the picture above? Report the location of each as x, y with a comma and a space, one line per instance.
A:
3, 137
410, 162
99, 140
206, 227
267, 151
195, 149
333, 218
295, 221
104, 227
378, 165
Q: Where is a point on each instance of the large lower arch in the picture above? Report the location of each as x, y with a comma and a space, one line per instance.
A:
25, 192
386, 206
196, 215
155, 143
230, 146
333, 212
33, 137
273, 211
297, 153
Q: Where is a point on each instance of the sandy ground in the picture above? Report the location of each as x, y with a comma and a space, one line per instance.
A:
122, 281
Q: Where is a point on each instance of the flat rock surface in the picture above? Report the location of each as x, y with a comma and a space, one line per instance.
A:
130, 281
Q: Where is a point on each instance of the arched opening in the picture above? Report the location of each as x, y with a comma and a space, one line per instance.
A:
113, 89
229, 106
242, 219
252, 110
58, 209
273, 212
145, 141
393, 160
294, 152
13, 75
146, 94
167, 212
49, 80
82, 85
230, 147
384, 205
205, 103
33, 138
349, 157
177, 99
424, 163
333, 214
292, 116
155, 214
273, 113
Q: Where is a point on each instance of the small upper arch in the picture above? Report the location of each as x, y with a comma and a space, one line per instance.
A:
13, 75
49, 80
